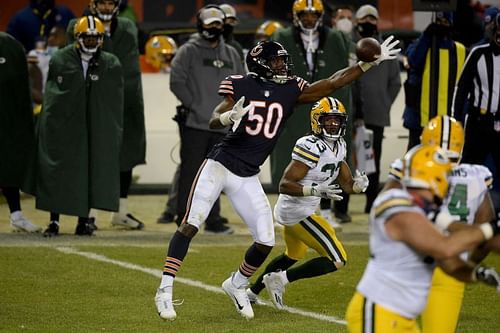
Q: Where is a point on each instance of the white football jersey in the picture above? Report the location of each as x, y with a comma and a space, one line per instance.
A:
396, 277
468, 184
324, 164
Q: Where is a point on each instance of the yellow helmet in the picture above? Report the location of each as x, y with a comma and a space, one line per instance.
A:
427, 167
105, 17
328, 106
160, 50
266, 30
312, 6
89, 34
447, 133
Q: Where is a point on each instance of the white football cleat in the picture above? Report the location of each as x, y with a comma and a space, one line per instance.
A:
23, 224
239, 297
275, 288
164, 304
128, 221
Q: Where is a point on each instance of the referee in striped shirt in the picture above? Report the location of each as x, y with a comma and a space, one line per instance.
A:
478, 96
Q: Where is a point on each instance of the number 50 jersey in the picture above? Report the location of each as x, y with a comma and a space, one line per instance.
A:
245, 148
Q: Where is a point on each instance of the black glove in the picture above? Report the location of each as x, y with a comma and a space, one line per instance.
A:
487, 275
181, 114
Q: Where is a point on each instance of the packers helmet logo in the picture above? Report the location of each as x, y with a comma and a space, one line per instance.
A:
256, 51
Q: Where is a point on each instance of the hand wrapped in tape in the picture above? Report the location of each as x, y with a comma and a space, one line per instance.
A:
323, 190
360, 182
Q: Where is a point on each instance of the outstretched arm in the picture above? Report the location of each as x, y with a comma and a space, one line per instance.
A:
326, 87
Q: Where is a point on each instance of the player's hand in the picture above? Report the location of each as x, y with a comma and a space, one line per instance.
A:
234, 116
360, 182
487, 275
387, 50
323, 191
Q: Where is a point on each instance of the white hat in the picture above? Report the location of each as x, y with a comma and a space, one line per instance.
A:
366, 10
211, 14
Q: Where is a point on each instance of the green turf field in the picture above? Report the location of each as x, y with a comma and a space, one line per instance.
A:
106, 283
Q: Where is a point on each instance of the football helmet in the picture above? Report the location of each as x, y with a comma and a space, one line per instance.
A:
106, 16
160, 50
270, 61
329, 118
310, 6
266, 30
427, 167
89, 34
447, 133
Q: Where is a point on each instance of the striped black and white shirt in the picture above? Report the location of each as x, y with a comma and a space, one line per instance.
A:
479, 82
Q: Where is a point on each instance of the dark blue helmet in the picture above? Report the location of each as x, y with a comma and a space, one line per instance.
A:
270, 61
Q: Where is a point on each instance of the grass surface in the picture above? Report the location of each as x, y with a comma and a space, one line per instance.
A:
44, 289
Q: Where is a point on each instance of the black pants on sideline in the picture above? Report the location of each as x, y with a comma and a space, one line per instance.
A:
195, 145
13, 198
414, 137
373, 186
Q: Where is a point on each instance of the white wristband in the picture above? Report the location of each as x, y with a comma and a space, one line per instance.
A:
225, 118
487, 230
307, 191
443, 220
364, 65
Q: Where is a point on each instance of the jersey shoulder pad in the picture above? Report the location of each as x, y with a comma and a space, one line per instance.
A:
396, 169
474, 171
226, 86
394, 201
301, 83
306, 150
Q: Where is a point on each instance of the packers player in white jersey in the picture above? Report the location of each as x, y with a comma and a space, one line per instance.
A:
405, 247
318, 160
468, 201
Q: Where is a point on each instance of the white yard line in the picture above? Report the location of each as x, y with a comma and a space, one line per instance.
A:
158, 273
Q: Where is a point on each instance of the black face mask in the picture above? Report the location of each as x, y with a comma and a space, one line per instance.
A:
228, 30
367, 29
211, 34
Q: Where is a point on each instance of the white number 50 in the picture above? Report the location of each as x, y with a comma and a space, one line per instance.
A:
274, 114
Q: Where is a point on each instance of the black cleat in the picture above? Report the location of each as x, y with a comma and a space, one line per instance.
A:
84, 229
166, 217
52, 230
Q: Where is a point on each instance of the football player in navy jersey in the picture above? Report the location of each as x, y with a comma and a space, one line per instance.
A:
256, 107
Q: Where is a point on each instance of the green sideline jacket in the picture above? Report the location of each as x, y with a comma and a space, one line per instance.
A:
123, 44
80, 135
17, 137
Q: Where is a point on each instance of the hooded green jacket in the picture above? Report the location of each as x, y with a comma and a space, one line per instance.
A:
80, 135
123, 44
17, 136
331, 56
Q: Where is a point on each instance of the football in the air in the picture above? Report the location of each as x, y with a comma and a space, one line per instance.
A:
367, 49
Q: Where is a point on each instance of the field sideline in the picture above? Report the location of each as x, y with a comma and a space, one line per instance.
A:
106, 283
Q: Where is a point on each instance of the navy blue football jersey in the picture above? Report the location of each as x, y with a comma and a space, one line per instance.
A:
245, 148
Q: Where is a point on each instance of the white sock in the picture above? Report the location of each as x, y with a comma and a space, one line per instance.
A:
167, 281
239, 279
17, 215
123, 210
283, 276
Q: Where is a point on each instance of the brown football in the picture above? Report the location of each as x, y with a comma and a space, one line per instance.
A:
367, 49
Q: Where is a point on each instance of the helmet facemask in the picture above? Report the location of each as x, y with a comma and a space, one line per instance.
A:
301, 8
328, 119
90, 43
332, 125
278, 66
